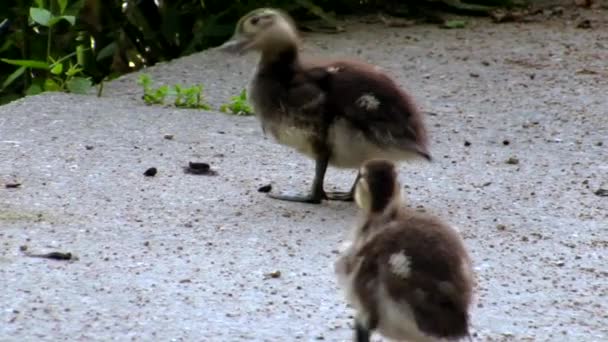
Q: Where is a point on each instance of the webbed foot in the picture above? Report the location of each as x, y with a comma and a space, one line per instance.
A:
312, 198
340, 196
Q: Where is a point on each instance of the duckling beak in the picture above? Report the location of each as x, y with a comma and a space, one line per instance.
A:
236, 45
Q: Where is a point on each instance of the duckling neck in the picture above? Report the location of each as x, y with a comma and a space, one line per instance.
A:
379, 218
286, 55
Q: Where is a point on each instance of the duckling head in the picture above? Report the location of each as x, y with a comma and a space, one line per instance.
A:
378, 187
263, 30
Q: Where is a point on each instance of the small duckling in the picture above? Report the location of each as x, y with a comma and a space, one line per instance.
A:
336, 112
407, 274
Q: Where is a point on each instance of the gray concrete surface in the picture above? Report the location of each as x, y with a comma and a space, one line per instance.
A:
184, 258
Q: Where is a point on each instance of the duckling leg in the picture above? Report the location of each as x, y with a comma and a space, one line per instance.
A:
316, 193
362, 334
344, 196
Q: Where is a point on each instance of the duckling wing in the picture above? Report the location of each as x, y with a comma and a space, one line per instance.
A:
305, 97
371, 103
423, 276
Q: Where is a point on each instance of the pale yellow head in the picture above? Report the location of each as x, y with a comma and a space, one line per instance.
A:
265, 30
378, 187
362, 195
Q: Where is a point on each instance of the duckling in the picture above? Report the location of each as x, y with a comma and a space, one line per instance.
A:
407, 274
337, 112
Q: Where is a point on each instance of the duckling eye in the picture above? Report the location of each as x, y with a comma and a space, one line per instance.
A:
254, 21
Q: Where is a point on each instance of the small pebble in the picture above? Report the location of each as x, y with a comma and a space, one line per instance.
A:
265, 188
601, 192
584, 24
506, 142
197, 168
467, 143
12, 185
151, 172
89, 147
273, 274
512, 161
168, 136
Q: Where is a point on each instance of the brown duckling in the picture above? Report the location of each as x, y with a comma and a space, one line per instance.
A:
407, 274
337, 112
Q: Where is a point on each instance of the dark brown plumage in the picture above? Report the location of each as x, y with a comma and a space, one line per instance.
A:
337, 112
407, 274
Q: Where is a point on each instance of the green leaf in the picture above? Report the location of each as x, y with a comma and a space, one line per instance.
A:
40, 15
74, 7
62, 5
39, 3
73, 70
319, 12
144, 80
69, 18
79, 85
12, 77
6, 98
81, 57
27, 63
8, 44
51, 85
452, 24
107, 51
34, 89
57, 69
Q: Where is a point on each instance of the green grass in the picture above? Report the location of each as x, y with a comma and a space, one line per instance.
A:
238, 105
189, 97
183, 97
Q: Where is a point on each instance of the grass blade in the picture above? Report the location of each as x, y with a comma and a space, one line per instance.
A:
29, 63
12, 77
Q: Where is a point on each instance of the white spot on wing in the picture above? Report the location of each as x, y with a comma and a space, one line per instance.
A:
400, 264
333, 69
368, 101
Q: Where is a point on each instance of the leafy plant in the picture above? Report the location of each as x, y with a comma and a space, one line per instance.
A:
50, 74
101, 39
191, 97
454, 24
184, 97
238, 105
152, 95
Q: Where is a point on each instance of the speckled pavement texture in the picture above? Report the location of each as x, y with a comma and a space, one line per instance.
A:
519, 133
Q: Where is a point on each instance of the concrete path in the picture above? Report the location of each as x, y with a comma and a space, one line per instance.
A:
179, 257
